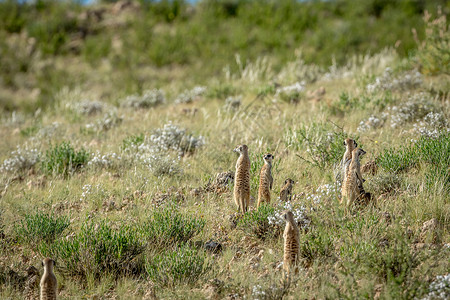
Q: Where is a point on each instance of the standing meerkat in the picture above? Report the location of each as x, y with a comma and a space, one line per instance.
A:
242, 179
265, 180
48, 281
350, 145
291, 237
286, 190
352, 185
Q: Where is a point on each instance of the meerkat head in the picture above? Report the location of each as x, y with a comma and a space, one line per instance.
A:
289, 181
288, 216
350, 143
241, 149
268, 158
48, 264
358, 152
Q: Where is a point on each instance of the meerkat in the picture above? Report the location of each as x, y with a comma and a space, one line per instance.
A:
350, 145
265, 180
286, 190
31, 290
242, 179
352, 185
48, 280
291, 237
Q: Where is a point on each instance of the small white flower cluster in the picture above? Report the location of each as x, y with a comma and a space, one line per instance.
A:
109, 120
89, 190
416, 108
299, 212
99, 160
297, 87
439, 288
409, 80
88, 107
258, 292
433, 125
161, 165
323, 192
232, 103
373, 122
188, 96
171, 137
21, 159
148, 99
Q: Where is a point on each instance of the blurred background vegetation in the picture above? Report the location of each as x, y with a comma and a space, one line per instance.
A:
124, 47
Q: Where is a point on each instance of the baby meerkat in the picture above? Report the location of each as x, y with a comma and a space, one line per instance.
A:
48, 280
352, 185
286, 190
291, 237
265, 180
242, 179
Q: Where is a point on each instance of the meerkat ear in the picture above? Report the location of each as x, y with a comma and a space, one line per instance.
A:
356, 144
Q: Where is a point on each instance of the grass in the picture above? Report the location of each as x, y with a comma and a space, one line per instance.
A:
121, 192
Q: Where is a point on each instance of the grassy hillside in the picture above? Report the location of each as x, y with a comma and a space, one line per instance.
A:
118, 126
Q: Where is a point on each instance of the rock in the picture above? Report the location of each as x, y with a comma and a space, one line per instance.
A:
213, 247
430, 231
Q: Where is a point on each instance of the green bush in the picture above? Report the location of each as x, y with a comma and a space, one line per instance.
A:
98, 249
433, 53
183, 264
316, 244
256, 222
41, 227
324, 146
64, 159
432, 154
167, 226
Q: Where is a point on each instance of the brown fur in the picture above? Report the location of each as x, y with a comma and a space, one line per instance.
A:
265, 180
350, 145
48, 281
352, 185
291, 237
242, 179
286, 190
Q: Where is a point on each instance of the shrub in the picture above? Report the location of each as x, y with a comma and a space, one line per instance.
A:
407, 81
316, 244
148, 99
41, 227
21, 160
439, 289
183, 264
133, 141
324, 146
256, 222
64, 159
98, 249
189, 96
109, 121
433, 153
291, 93
433, 53
171, 137
161, 165
167, 226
